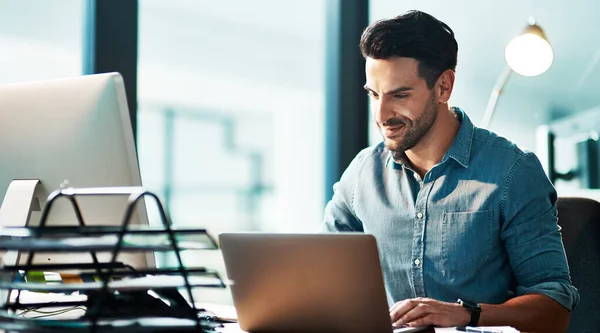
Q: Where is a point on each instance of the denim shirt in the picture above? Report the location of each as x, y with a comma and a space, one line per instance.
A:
481, 225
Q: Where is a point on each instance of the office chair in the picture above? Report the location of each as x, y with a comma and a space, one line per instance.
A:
580, 221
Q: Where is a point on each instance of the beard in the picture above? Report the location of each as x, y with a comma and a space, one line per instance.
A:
414, 131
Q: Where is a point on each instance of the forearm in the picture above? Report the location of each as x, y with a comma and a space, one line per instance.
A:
533, 313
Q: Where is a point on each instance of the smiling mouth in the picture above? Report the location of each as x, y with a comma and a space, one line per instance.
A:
390, 132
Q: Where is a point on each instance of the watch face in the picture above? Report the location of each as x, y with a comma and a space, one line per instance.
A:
471, 306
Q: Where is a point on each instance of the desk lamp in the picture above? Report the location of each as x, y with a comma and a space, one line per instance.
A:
528, 54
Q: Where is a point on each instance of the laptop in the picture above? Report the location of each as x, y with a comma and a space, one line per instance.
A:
307, 283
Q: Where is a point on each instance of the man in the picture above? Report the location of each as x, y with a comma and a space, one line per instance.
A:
458, 212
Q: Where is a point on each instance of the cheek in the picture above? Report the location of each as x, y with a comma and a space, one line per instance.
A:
414, 109
406, 110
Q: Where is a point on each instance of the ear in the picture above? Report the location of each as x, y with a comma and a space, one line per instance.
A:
444, 86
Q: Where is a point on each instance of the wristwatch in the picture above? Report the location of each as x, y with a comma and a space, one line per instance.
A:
473, 308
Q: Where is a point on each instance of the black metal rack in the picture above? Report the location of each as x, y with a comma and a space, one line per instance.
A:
113, 277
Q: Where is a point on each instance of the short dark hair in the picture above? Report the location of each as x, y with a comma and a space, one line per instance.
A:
414, 35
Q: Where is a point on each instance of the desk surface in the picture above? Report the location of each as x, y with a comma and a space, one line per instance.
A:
235, 328
227, 311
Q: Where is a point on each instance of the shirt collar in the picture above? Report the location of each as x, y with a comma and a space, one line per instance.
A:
460, 150
392, 162
389, 159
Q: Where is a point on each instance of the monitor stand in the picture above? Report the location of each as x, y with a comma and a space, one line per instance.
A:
20, 200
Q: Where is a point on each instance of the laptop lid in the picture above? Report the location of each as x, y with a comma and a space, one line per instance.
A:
306, 282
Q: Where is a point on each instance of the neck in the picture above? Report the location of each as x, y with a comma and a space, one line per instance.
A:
431, 148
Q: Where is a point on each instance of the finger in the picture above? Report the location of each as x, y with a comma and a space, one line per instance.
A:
397, 304
417, 300
438, 319
418, 311
426, 320
400, 308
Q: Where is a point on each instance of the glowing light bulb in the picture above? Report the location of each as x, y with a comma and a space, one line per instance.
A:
529, 54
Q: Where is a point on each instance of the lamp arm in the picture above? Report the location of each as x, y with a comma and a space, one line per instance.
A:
491, 106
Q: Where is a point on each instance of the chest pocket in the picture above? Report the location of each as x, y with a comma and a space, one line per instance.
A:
466, 240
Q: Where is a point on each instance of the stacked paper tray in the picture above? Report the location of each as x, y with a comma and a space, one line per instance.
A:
11, 323
101, 280
102, 238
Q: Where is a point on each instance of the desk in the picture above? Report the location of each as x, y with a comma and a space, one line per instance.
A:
222, 311
228, 312
235, 328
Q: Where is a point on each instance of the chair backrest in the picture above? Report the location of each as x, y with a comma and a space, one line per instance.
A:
580, 221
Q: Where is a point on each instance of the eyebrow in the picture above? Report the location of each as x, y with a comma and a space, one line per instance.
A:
392, 92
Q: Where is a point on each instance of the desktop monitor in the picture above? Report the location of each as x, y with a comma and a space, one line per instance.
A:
73, 132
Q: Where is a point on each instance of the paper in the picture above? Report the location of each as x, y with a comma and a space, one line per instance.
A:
479, 329
230, 328
102, 238
101, 244
147, 282
221, 311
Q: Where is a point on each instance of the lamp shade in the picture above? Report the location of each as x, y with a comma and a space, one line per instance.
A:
530, 53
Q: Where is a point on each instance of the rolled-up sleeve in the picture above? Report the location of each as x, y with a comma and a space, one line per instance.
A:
339, 213
531, 234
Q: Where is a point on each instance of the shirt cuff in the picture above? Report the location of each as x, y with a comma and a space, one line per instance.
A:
563, 293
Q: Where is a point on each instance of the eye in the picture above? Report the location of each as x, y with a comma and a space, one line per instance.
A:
401, 96
372, 94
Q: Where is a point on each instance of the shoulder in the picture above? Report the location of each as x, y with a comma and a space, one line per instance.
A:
496, 149
499, 160
518, 168
490, 140
373, 155
364, 163
367, 161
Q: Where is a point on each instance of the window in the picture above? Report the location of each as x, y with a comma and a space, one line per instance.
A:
231, 113
40, 40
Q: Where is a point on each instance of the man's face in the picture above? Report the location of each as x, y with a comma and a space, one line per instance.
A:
403, 107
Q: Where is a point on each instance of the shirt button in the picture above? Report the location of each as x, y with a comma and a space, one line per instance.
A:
417, 262
420, 215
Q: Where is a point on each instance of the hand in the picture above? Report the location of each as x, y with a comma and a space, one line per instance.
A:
426, 311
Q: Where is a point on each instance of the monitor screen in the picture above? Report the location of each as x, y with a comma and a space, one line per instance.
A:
73, 132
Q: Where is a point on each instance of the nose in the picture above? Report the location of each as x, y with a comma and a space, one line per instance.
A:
382, 110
